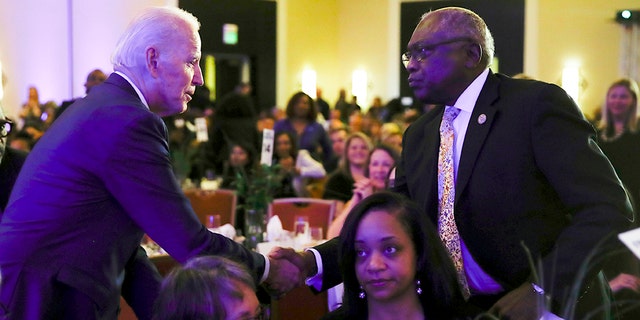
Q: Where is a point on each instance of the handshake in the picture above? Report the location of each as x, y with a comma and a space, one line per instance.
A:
288, 270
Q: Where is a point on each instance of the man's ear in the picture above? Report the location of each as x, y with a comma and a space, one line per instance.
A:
152, 58
474, 53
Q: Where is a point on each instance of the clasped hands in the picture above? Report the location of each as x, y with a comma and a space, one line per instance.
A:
288, 270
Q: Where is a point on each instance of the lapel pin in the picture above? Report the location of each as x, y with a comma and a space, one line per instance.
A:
482, 118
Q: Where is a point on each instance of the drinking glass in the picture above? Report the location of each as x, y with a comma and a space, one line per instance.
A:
213, 221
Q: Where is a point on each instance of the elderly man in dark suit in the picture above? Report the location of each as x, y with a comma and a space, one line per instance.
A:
101, 177
524, 171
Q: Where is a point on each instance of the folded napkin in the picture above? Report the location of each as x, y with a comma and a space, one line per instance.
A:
226, 230
275, 232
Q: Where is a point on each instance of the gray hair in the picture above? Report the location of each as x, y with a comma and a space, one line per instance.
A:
156, 26
466, 23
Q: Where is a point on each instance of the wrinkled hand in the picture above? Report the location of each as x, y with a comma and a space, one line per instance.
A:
283, 277
625, 281
521, 303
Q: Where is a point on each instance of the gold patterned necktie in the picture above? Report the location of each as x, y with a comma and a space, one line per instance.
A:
447, 228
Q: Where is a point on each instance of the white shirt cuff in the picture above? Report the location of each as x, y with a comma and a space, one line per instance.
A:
315, 281
267, 266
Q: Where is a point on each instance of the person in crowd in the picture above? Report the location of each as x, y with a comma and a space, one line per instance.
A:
393, 264
20, 141
234, 121
297, 167
351, 169
618, 133
356, 121
302, 124
94, 78
321, 104
32, 109
394, 140
208, 287
338, 137
85, 197
242, 159
530, 183
376, 110
342, 106
11, 160
381, 160
619, 140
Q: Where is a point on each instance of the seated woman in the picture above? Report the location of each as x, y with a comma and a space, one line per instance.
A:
351, 169
207, 287
393, 264
380, 162
296, 166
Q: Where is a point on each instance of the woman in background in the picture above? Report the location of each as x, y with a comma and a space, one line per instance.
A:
351, 169
296, 166
302, 124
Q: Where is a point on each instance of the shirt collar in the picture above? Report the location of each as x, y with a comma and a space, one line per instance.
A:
144, 101
469, 97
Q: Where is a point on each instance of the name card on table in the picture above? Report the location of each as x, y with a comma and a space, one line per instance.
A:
267, 147
632, 240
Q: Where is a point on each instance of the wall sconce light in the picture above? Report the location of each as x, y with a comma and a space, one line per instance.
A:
309, 82
359, 85
571, 80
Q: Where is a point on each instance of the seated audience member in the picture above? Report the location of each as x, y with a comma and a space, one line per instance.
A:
242, 158
393, 264
20, 141
340, 184
338, 136
296, 166
94, 78
381, 160
207, 287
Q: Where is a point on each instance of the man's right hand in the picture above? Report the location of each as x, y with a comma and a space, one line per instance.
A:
305, 261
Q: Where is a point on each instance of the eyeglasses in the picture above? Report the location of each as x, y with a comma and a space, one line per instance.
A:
5, 127
420, 53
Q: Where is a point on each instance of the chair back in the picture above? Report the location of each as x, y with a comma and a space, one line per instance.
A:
319, 211
211, 202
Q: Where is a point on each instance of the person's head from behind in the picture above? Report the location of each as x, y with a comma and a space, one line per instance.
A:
356, 152
621, 104
207, 287
381, 160
94, 78
160, 51
449, 48
301, 106
386, 246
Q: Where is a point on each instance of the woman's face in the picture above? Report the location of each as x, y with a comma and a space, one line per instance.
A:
357, 152
385, 258
240, 309
619, 101
283, 146
379, 165
302, 107
238, 157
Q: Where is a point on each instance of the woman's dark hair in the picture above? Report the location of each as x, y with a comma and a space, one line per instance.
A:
440, 291
249, 149
313, 110
294, 145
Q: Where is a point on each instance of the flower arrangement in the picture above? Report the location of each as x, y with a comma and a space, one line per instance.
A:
258, 187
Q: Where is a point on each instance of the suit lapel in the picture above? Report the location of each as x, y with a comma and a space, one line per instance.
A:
479, 126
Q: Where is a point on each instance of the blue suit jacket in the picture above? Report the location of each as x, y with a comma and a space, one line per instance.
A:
94, 184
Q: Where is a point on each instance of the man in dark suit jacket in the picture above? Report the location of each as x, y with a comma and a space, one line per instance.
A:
100, 178
529, 174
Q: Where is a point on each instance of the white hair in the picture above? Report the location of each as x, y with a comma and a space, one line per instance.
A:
156, 26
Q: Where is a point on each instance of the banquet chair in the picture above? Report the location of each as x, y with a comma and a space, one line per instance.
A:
214, 202
319, 211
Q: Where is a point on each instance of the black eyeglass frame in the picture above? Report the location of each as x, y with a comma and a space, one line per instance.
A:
422, 52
